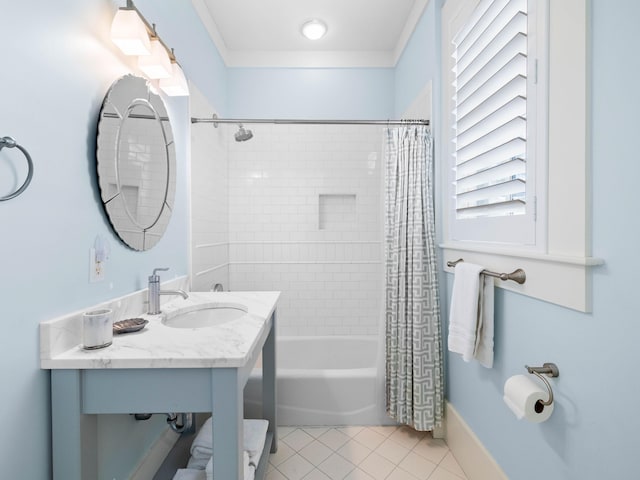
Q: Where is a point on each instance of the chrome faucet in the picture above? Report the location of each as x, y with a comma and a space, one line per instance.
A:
155, 292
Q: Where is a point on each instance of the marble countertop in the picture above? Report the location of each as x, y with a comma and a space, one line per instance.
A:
160, 346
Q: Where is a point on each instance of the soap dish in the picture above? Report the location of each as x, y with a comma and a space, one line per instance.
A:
129, 325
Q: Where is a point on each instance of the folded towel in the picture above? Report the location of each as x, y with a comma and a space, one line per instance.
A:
190, 474
471, 315
255, 434
249, 468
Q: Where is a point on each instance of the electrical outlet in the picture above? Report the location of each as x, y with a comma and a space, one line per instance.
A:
96, 268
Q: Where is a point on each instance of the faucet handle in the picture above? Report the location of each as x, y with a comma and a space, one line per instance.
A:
159, 270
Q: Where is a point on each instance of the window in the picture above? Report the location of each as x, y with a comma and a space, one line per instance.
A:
494, 83
505, 206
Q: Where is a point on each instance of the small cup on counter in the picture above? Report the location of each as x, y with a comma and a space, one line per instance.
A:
97, 329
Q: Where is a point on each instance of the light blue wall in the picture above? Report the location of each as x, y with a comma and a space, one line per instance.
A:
593, 431
334, 93
57, 67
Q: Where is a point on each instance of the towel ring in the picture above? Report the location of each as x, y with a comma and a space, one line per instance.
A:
11, 143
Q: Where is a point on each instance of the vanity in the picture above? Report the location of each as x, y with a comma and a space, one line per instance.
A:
180, 362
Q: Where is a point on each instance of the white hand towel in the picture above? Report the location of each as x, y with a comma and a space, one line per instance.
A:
189, 474
254, 431
471, 315
249, 469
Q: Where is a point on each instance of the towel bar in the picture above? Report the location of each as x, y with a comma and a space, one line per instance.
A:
517, 276
11, 143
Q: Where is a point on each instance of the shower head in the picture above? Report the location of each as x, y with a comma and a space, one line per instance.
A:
243, 135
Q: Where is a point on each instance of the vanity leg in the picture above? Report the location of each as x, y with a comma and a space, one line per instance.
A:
269, 383
227, 424
74, 435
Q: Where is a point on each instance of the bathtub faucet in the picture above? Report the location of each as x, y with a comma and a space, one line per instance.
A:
155, 292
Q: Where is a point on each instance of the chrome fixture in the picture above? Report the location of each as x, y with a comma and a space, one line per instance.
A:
135, 36
11, 143
549, 369
291, 121
243, 135
155, 292
517, 276
217, 288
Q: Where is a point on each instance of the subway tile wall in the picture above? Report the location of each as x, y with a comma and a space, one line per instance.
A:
209, 199
305, 218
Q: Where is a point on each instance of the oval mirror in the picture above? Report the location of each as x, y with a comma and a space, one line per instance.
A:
136, 162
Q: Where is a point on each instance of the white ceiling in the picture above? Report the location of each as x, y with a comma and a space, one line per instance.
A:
267, 32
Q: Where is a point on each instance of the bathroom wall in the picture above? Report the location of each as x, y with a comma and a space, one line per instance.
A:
58, 65
593, 431
305, 219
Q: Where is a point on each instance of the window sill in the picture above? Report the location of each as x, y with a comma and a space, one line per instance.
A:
558, 279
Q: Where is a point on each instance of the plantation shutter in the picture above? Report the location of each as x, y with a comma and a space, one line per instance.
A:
489, 122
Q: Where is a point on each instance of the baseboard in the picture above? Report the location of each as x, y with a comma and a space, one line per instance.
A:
156, 455
475, 460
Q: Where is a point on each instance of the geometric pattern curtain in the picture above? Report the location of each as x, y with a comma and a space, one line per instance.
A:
414, 370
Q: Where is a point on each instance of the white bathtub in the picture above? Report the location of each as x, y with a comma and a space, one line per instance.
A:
329, 380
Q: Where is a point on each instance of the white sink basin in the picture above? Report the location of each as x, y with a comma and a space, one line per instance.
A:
206, 316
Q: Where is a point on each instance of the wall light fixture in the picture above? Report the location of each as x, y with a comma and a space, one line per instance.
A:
134, 35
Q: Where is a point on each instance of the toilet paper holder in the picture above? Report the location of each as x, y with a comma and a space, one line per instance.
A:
549, 369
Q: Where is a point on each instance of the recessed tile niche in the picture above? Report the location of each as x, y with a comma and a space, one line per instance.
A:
336, 212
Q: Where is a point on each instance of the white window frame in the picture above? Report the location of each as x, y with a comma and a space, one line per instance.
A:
558, 261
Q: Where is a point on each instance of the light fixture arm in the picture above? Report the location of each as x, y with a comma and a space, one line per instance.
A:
151, 30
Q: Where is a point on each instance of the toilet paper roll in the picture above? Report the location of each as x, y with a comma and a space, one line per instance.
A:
522, 394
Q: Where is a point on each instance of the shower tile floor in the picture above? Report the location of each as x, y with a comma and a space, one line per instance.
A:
361, 453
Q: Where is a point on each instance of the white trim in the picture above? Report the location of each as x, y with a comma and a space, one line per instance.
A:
151, 462
309, 262
203, 12
414, 18
561, 280
474, 459
211, 245
212, 269
294, 242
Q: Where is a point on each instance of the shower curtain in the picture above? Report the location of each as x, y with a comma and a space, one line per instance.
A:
414, 368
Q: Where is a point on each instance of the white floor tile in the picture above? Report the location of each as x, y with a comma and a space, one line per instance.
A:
354, 452
333, 439
316, 452
377, 466
295, 468
432, 449
284, 431
358, 474
407, 437
370, 439
351, 431
298, 439
399, 474
315, 432
316, 475
384, 430
275, 475
392, 451
417, 466
442, 474
283, 453
451, 464
336, 467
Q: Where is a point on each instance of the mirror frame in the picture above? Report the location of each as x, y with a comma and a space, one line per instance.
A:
127, 94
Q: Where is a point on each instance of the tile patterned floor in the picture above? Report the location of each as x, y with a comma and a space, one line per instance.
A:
361, 453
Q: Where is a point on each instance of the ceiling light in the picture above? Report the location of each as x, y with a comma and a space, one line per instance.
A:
176, 85
314, 29
129, 33
158, 64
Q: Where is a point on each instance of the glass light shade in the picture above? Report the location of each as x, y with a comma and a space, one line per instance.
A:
129, 33
156, 65
176, 85
314, 29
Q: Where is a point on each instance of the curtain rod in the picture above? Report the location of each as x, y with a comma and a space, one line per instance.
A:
215, 120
